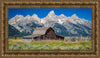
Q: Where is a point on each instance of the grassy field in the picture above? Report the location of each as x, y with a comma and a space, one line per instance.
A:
48, 45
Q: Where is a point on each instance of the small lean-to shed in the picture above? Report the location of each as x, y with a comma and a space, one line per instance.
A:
44, 33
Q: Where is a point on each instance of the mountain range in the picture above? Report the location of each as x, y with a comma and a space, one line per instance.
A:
62, 25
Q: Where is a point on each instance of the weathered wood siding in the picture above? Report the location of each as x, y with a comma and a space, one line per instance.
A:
59, 37
50, 34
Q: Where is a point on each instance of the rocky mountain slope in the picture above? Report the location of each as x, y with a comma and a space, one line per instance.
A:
13, 31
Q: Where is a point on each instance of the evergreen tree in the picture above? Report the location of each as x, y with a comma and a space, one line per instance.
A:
15, 36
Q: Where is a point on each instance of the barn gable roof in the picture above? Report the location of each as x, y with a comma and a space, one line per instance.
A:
40, 31
30, 36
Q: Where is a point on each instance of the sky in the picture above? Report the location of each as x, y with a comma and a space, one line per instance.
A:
84, 13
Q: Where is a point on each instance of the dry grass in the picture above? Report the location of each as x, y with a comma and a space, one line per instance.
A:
16, 40
53, 43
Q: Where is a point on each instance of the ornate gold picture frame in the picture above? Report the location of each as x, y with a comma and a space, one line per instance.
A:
5, 4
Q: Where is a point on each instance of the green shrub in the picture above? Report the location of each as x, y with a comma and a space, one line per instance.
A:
46, 47
56, 48
88, 47
25, 46
36, 47
15, 46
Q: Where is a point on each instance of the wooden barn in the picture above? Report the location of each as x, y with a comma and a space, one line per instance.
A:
44, 33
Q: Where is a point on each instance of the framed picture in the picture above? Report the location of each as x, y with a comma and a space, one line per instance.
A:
57, 29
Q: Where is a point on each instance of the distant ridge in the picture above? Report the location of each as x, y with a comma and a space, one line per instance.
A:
62, 25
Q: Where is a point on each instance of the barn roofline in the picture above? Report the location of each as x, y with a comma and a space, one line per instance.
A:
36, 35
59, 35
48, 29
45, 31
40, 31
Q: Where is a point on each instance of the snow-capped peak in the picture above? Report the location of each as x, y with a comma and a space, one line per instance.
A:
51, 13
34, 15
16, 19
74, 16
62, 15
27, 16
19, 16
